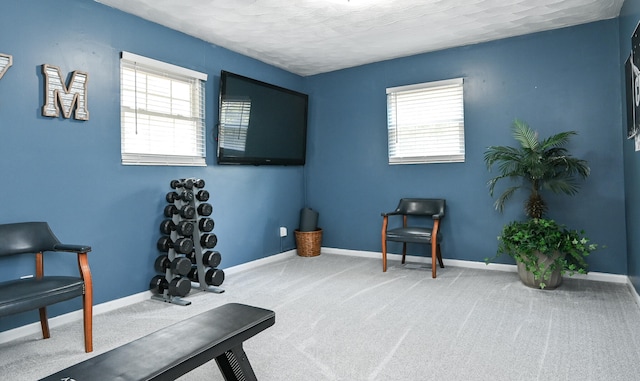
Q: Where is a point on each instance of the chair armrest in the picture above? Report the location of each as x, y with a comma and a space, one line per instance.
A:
72, 248
437, 216
394, 213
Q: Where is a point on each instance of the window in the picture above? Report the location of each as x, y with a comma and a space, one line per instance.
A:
162, 113
426, 122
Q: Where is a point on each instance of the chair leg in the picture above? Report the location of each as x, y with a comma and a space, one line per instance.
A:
384, 254
383, 234
87, 301
433, 259
44, 323
404, 251
88, 321
439, 254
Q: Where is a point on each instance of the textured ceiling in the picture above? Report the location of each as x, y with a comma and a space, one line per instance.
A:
308, 37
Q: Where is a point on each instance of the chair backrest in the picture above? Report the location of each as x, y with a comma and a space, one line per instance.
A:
422, 206
26, 237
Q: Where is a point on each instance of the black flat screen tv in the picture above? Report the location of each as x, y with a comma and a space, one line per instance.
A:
260, 123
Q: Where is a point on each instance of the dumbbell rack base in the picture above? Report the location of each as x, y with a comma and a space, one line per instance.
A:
171, 299
204, 287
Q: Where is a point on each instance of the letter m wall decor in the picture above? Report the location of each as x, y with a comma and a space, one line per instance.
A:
5, 63
57, 94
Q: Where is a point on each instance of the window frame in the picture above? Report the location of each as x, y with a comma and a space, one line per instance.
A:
451, 149
169, 125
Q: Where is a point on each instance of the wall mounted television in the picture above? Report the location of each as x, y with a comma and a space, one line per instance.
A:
260, 123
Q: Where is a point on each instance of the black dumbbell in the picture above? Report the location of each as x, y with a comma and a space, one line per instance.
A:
198, 183
181, 245
211, 258
179, 286
206, 225
187, 211
171, 197
212, 277
202, 195
183, 227
208, 240
180, 265
170, 210
158, 284
186, 196
193, 274
191, 256
205, 209
182, 183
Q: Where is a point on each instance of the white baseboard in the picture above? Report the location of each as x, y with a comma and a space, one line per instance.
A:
260, 262
34, 328
633, 291
601, 277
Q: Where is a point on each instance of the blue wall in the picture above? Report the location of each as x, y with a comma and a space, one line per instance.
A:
567, 79
629, 18
69, 173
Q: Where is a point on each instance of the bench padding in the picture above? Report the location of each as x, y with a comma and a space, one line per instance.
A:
175, 350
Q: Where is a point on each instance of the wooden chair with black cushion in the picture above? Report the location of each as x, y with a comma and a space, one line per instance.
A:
411, 209
19, 295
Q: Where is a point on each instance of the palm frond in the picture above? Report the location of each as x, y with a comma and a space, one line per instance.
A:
495, 154
492, 182
504, 197
527, 137
572, 166
557, 140
566, 185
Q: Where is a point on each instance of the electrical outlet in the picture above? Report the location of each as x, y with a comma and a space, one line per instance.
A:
283, 231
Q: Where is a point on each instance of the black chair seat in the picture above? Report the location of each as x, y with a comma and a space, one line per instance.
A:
411, 234
30, 294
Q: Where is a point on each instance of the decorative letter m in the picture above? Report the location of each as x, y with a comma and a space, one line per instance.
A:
56, 93
5, 63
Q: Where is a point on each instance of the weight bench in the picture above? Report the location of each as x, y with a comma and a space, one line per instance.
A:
175, 350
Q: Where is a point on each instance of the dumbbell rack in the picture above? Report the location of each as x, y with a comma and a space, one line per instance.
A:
189, 239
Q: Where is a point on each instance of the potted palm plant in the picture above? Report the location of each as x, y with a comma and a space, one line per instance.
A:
543, 249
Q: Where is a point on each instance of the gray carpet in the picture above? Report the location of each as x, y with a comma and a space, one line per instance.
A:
341, 318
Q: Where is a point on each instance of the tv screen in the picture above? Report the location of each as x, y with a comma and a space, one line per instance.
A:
260, 123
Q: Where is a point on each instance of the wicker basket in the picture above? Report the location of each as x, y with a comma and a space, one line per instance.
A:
308, 243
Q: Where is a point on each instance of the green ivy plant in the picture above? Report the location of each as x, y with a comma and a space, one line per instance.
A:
568, 248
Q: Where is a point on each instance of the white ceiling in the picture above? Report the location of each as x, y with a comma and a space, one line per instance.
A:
308, 37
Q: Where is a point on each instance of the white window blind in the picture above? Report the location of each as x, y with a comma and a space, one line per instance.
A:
426, 122
162, 113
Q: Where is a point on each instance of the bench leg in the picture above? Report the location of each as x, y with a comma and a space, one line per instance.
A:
235, 366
